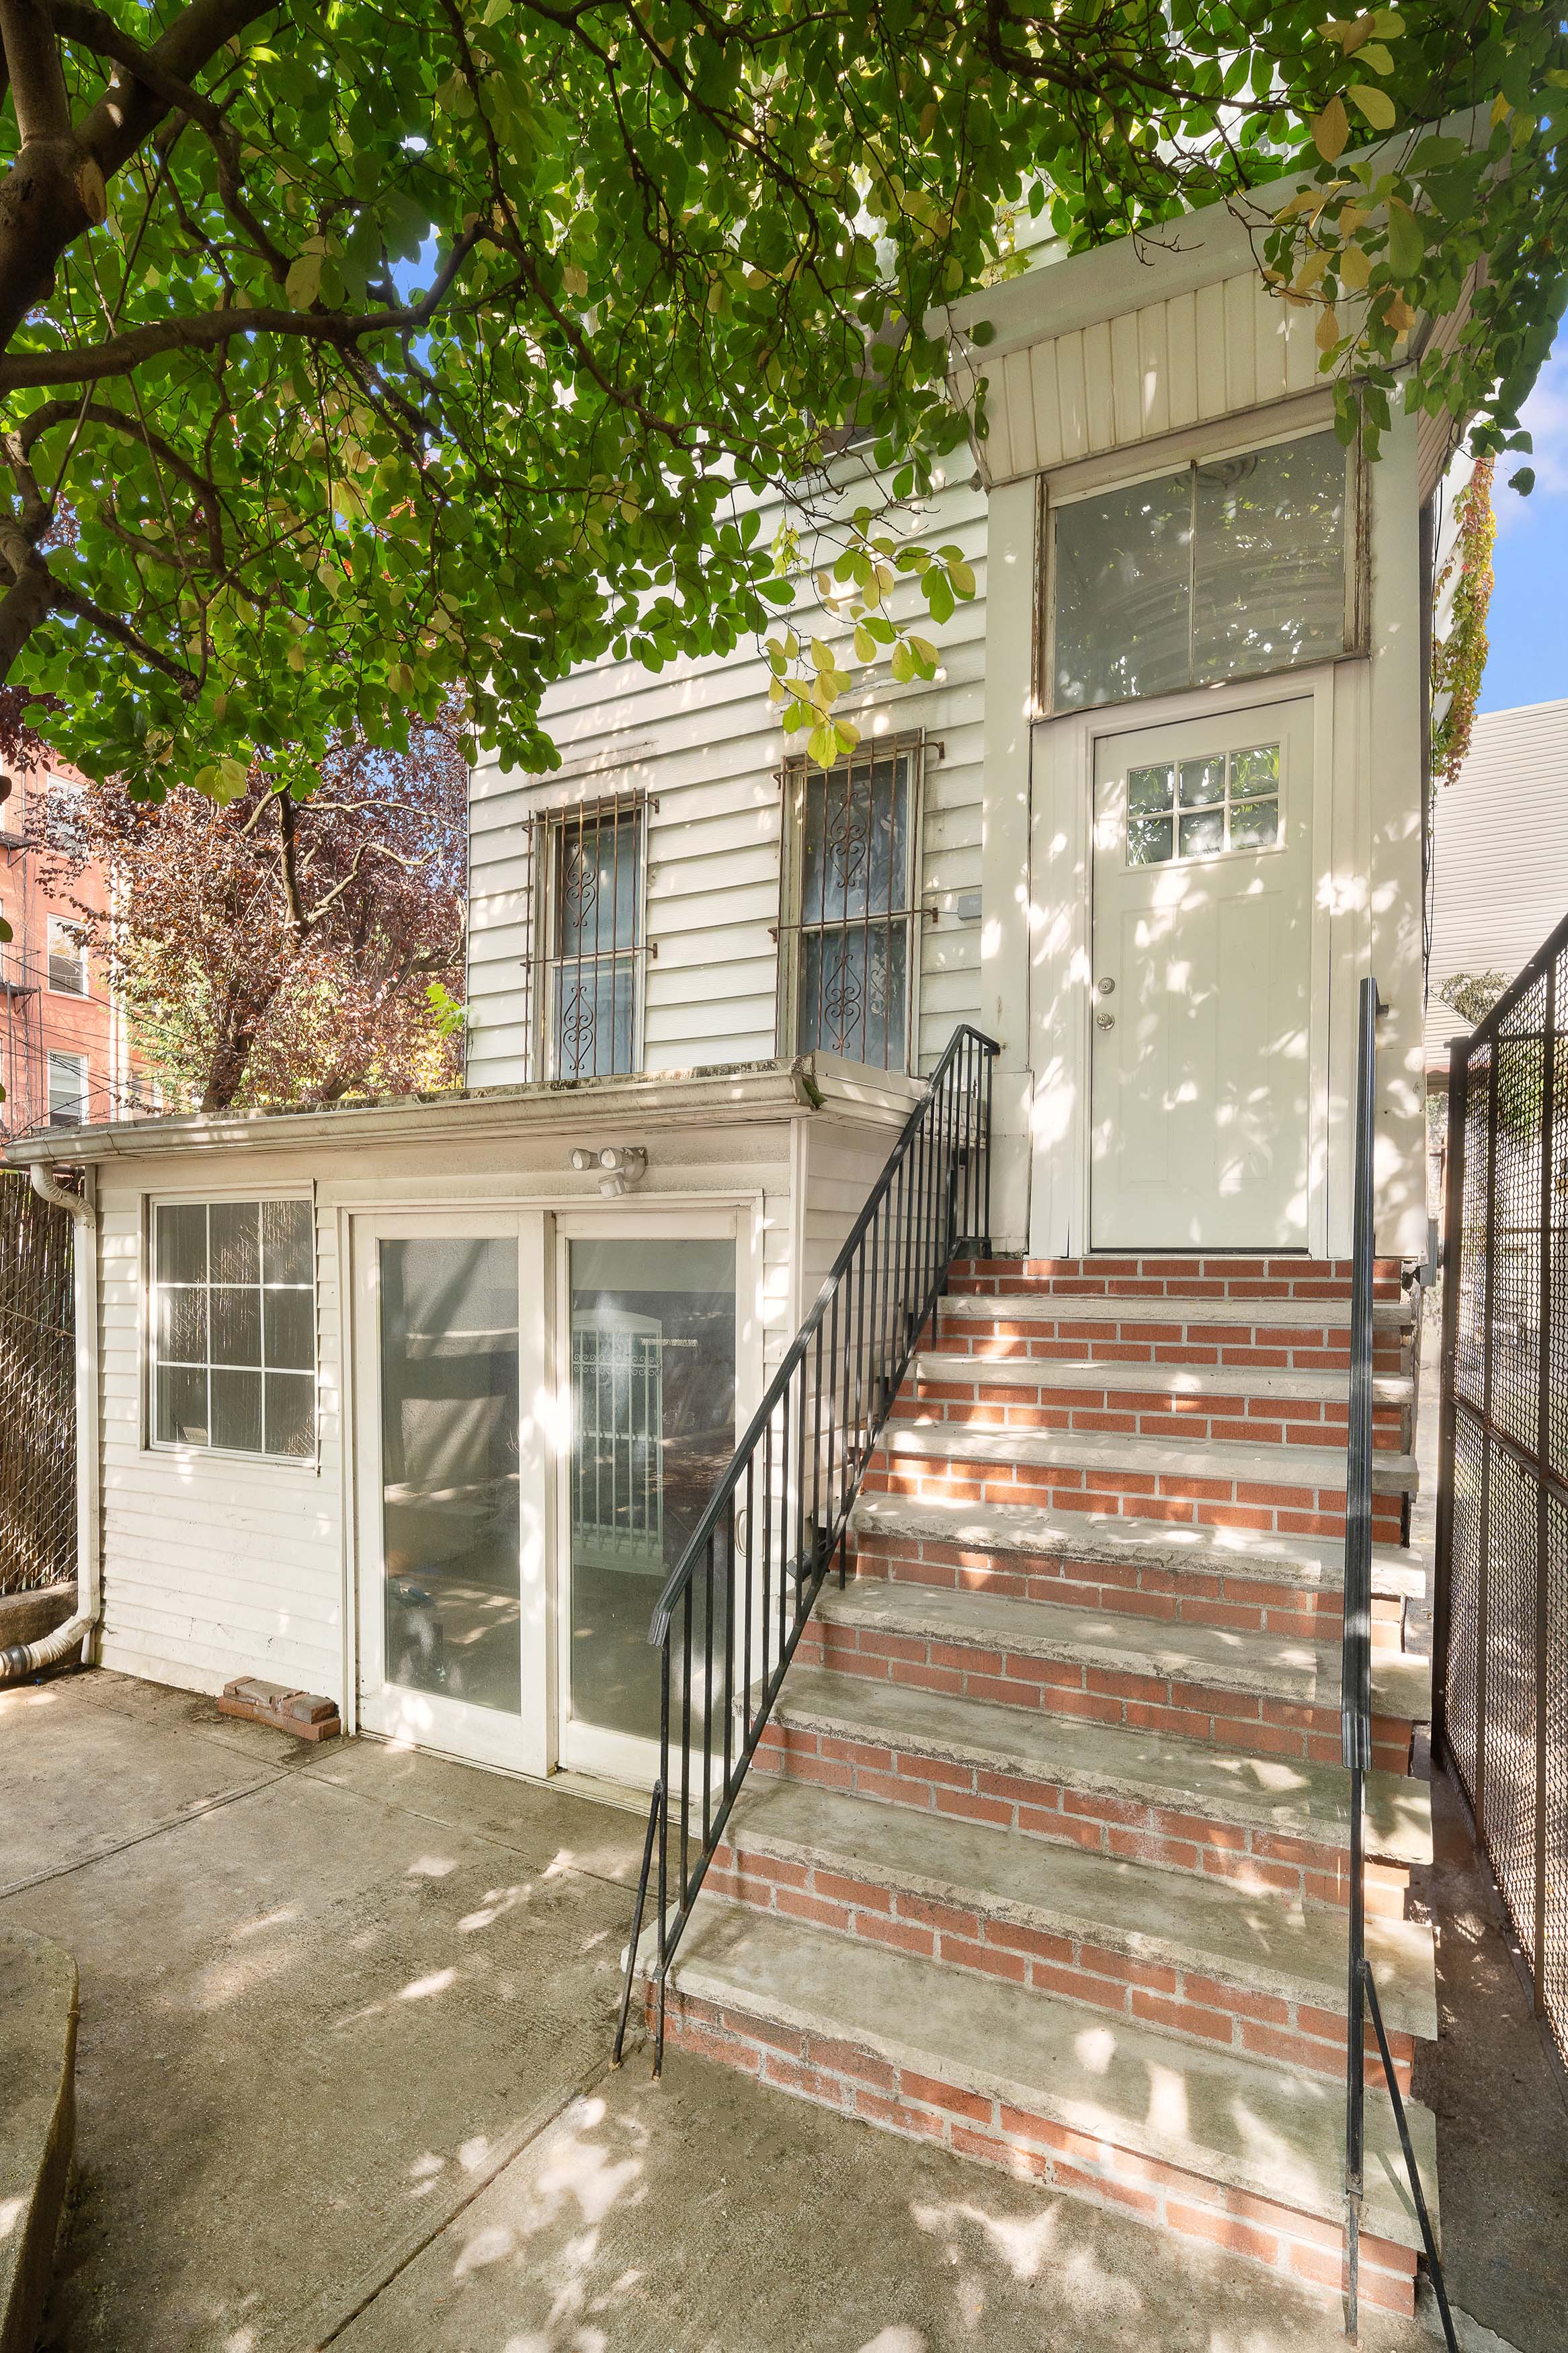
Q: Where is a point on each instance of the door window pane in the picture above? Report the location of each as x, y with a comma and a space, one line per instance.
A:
449, 1468
1224, 802
653, 1425
1224, 569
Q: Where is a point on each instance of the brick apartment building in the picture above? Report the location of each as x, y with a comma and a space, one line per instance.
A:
64, 1060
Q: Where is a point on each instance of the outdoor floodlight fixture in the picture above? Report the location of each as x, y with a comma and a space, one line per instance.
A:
624, 1164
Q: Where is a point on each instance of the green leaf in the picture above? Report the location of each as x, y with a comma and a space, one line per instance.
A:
1407, 244
1524, 482
1375, 104
304, 281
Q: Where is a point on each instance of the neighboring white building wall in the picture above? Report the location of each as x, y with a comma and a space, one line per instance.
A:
1500, 854
702, 741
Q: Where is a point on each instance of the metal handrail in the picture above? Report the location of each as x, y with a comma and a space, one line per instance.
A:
1355, 1702
731, 1613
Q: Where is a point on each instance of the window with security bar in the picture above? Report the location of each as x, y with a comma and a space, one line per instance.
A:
847, 946
593, 930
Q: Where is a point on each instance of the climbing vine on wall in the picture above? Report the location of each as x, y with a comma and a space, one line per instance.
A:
1460, 659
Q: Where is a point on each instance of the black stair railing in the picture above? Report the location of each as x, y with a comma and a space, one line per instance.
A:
1355, 1704
731, 1615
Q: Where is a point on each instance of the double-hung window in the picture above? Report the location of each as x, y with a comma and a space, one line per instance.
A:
68, 1090
67, 958
850, 940
592, 934
1226, 569
234, 1326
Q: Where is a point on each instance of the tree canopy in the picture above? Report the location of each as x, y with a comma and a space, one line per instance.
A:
279, 951
355, 357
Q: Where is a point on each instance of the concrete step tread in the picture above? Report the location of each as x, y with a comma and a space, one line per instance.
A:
1249, 1939
1219, 1658
1277, 1794
1118, 1537
1268, 1464
1097, 1307
1210, 2112
1153, 1380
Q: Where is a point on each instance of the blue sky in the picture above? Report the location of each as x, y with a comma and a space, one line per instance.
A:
1528, 625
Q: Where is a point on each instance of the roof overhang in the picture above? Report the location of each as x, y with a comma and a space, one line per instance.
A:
583, 1108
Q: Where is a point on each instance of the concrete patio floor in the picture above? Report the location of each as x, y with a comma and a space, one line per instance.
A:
345, 2018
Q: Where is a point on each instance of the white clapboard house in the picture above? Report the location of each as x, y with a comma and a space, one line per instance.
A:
417, 1404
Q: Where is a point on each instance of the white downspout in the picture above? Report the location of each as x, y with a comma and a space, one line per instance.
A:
28, 1658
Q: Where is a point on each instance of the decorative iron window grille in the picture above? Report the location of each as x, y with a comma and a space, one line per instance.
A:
848, 943
617, 1475
589, 925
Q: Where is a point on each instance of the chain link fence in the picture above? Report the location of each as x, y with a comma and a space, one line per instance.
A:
38, 1390
1502, 1499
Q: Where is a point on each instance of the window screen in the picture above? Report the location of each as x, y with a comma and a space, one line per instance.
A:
235, 1326
1224, 569
68, 1090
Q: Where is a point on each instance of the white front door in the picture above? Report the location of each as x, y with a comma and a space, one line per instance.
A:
453, 1484
1200, 1064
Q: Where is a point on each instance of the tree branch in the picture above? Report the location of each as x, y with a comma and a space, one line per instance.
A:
208, 330
71, 600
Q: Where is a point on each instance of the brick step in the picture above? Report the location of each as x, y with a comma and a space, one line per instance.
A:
1164, 1275
1144, 1796
1268, 1694
1284, 1334
1203, 2141
1193, 1957
1158, 1401
1113, 1560
1293, 1489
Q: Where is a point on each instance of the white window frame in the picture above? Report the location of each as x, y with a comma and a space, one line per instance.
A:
55, 1055
1088, 478
912, 750
221, 1196
549, 827
72, 954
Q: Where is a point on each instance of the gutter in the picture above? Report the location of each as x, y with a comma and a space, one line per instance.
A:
22, 1658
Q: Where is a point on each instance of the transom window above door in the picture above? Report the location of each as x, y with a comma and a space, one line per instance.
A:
847, 950
1227, 567
1201, 808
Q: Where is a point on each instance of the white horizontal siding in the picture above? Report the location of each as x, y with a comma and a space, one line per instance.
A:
1500, 854
214, 1566
701, 740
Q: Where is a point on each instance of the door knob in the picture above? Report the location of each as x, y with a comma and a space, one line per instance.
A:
1105, 1020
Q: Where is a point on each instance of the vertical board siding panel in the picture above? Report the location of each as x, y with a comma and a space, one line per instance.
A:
1300, 351
1048, 404
1153, 369
1240, 355
1269, 343
998, 432
1209, 310
1072, 395
1126, 381
1018, 388
1098, 401
1181, 355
